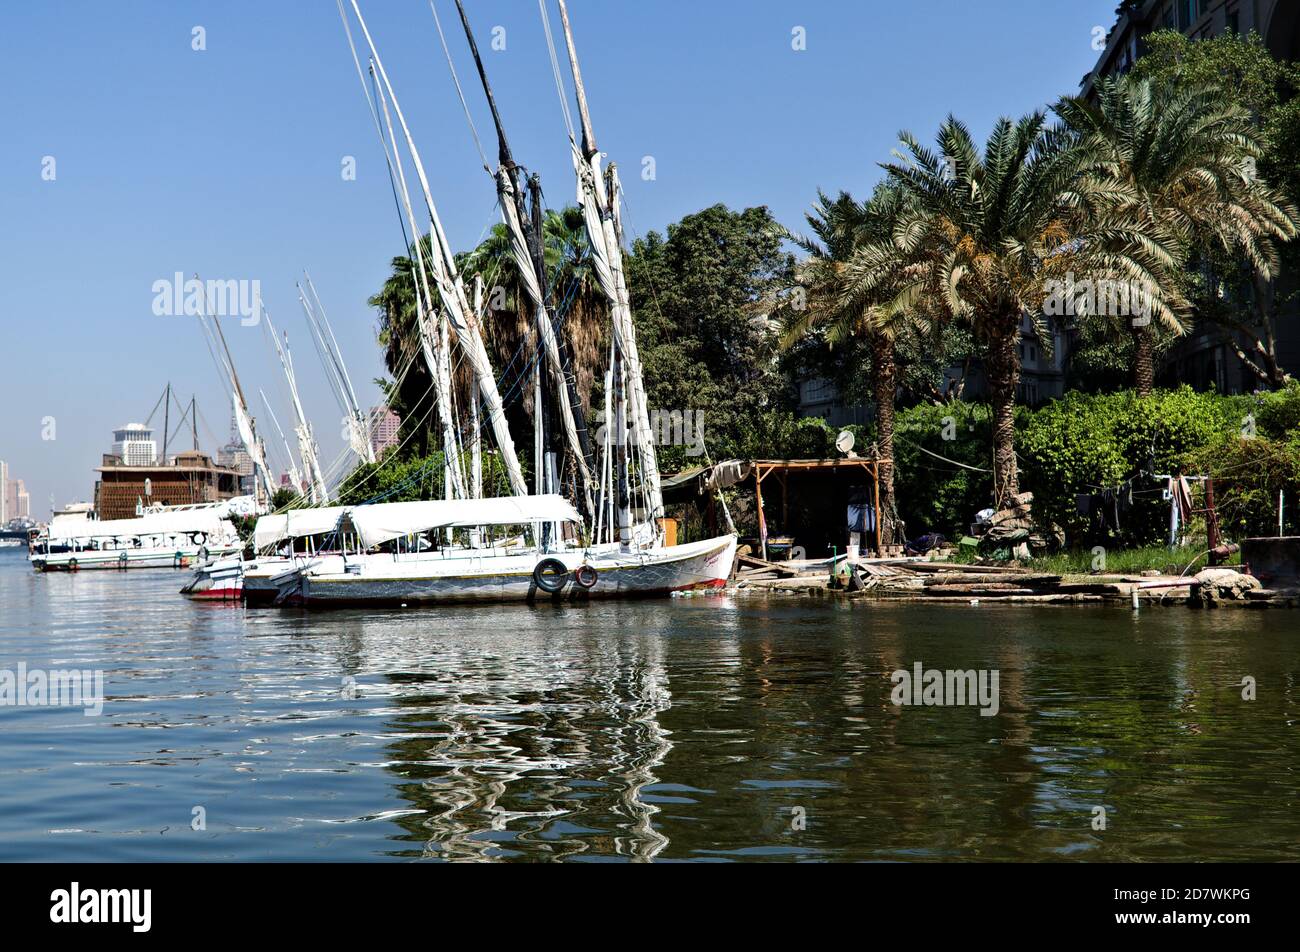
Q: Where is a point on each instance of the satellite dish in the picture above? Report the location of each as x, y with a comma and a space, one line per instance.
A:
844, 442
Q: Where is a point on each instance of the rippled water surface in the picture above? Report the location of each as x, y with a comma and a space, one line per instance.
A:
708, 728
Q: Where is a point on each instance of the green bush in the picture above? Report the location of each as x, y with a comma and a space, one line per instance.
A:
1277, 414
1248, 473
1084, 442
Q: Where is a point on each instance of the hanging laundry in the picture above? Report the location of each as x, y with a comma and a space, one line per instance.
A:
1181, 494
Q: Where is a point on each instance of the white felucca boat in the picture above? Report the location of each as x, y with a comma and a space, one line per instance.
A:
398, 558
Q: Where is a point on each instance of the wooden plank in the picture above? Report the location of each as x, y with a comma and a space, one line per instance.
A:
964, 578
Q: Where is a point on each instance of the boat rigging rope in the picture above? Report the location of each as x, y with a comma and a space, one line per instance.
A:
459, 92
555, 69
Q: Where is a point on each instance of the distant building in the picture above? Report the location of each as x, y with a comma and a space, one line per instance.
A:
190, 477
4, 492
18, 504
384, 424
134, 445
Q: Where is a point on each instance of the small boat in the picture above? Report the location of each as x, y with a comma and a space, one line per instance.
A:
220, 580
166, 538
223, 579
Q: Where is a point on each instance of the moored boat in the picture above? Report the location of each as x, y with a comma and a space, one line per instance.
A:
275, 539
169, 538
397, 563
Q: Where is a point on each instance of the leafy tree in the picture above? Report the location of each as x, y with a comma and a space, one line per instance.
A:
703, 296
833, 304
1179, 158
1241, 295
284, 498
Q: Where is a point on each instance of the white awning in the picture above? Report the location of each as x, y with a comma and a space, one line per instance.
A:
386, 521
185, 522
295, 524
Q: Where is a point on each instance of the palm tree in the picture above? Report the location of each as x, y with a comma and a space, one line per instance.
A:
1182, 160
978, 239
410, 392
574, 293
839, 227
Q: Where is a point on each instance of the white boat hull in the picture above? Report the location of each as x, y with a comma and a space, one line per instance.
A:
465, 576
88, 559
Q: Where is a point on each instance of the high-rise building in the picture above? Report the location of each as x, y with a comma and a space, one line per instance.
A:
384, 424
4, 492
134, 445
17, 504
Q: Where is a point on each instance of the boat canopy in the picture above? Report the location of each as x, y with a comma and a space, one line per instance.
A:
295, 524
185, 522
384, 522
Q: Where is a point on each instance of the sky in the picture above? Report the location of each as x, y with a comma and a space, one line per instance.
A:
229, 161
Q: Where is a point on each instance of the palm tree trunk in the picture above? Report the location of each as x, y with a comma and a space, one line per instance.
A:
1144, 361
884, 372
1003, 366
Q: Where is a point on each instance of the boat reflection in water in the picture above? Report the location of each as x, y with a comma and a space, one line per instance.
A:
505, 757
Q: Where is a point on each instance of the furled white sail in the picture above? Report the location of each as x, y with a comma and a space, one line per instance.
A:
245, 427
607, 261
454, 300
600, 208
524, 265
307, 451
383, 522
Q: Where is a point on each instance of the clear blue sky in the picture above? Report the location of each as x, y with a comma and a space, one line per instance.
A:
227, 161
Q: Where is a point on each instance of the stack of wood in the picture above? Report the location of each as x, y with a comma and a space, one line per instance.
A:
794, 574
988, 581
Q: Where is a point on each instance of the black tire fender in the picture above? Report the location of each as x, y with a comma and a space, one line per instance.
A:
585, 576
551, 575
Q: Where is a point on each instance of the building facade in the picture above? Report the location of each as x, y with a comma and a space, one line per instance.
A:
134, 445
18, 504
190, 477
384, 425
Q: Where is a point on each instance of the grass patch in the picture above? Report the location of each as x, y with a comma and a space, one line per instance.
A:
1161, 558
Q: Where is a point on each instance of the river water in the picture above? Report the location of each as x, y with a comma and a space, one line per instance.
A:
708, 728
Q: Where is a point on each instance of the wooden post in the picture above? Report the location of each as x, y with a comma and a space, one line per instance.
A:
1211, 520
762, 520
875, 493
785, 502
